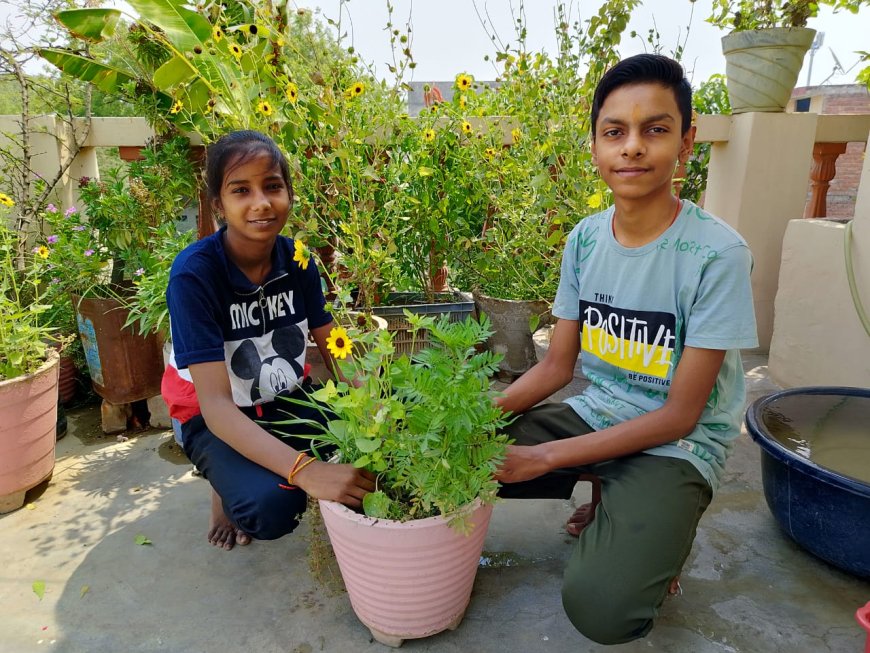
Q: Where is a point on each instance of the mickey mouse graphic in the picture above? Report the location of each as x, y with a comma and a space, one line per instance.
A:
272, 375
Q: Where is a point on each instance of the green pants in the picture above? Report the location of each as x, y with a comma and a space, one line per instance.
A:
643, 529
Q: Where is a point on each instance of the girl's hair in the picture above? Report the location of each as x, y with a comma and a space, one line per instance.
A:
237, 148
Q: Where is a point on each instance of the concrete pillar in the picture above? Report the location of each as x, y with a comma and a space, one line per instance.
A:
757, 182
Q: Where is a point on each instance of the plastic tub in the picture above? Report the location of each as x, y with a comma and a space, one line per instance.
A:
825, 512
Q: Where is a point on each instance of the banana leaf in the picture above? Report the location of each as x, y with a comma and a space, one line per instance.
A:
92, 25
183, 28
106, 78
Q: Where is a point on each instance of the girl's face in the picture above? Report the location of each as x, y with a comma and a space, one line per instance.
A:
254, 200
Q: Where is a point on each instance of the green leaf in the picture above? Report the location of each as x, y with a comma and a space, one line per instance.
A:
376, 504
39, 588
84, 590
184, 28
105, 78
366, 445
93, 25
362, 461
173, 72
141, 540
423, 171
534, 321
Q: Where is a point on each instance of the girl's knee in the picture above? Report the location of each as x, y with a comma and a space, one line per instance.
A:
604, 612
270, 515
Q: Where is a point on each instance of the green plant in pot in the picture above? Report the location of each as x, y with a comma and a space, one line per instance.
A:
765, 47
28, 371
427, 426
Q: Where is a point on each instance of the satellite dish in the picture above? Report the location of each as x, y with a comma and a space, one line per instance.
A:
837, 65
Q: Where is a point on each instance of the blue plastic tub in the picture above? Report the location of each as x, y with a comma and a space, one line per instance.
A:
825, 512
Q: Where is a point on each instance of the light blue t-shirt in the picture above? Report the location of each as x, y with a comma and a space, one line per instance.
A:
639, 307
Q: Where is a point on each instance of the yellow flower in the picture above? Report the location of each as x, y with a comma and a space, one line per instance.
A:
594, 200
292, 93
253, 29
466, 127
516, 134
489, 152
355, 90
217, 33
463, 82
428, 135
5, 200
236, 50
43, 251
280, 42
338, 344
265, 108
301, 254
177, 107
462, 101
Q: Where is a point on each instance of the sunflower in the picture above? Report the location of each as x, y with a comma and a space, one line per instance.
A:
428, 135
462, 102
43, 251
463, 82
217, 33
338, 344
252, 29
264, 107
177, 107
5, 200
355, 90
280, 42
466, 127
292, 93
489, 152
516, 134
236, 50
301, 254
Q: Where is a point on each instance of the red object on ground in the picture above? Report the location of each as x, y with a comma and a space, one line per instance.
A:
863, 617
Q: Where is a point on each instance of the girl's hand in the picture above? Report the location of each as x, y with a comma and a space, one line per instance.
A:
343, 483
522, 464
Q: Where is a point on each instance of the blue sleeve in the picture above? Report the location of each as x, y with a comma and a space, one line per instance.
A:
723, 315
312, 292
567, 303
194, 320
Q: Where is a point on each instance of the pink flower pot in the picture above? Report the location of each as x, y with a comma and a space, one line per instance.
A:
28, 419
406, 579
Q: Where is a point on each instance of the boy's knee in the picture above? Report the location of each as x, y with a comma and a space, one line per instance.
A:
604, 613
270, 515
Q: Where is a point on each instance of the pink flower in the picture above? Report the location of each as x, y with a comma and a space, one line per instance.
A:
51, 208
139, 272
55, 280
79, 227
52, 239
69, 211
89, 252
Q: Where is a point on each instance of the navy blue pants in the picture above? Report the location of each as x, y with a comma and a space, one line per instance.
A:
253, 497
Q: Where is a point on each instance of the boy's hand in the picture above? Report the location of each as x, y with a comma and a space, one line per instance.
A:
522, 464
343, 483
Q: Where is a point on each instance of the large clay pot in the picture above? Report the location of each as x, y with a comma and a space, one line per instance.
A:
512, 335
124, 366
28, 419
405, 580
762, 66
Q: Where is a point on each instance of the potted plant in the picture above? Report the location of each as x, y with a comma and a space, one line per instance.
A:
765, 48
426, 425
97, 254
28, 373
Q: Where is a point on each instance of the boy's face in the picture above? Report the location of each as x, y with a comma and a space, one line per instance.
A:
638, 141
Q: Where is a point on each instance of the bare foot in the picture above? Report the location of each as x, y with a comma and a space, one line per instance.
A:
221, 531
584, 515
675, 588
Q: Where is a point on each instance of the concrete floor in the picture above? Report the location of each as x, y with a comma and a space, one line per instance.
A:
746, 586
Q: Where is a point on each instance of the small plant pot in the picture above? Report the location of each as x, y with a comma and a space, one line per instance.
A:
406, 580
512, 335
28, 424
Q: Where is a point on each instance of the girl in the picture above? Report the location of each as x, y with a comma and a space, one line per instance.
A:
241, 304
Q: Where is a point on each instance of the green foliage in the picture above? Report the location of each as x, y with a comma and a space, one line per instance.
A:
425, 424
711, 97
23, 328
742, 15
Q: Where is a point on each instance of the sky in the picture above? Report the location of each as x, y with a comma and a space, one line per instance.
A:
448, 37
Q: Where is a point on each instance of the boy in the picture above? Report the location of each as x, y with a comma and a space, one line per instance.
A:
656, 294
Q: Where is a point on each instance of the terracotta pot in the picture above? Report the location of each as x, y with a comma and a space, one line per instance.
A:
124, 366
406, 580
68, 383
513, 337
28, 420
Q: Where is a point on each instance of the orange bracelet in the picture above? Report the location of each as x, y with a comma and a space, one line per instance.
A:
293, 468
299, 469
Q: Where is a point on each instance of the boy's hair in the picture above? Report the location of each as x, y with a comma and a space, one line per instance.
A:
237, 148
646, 69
